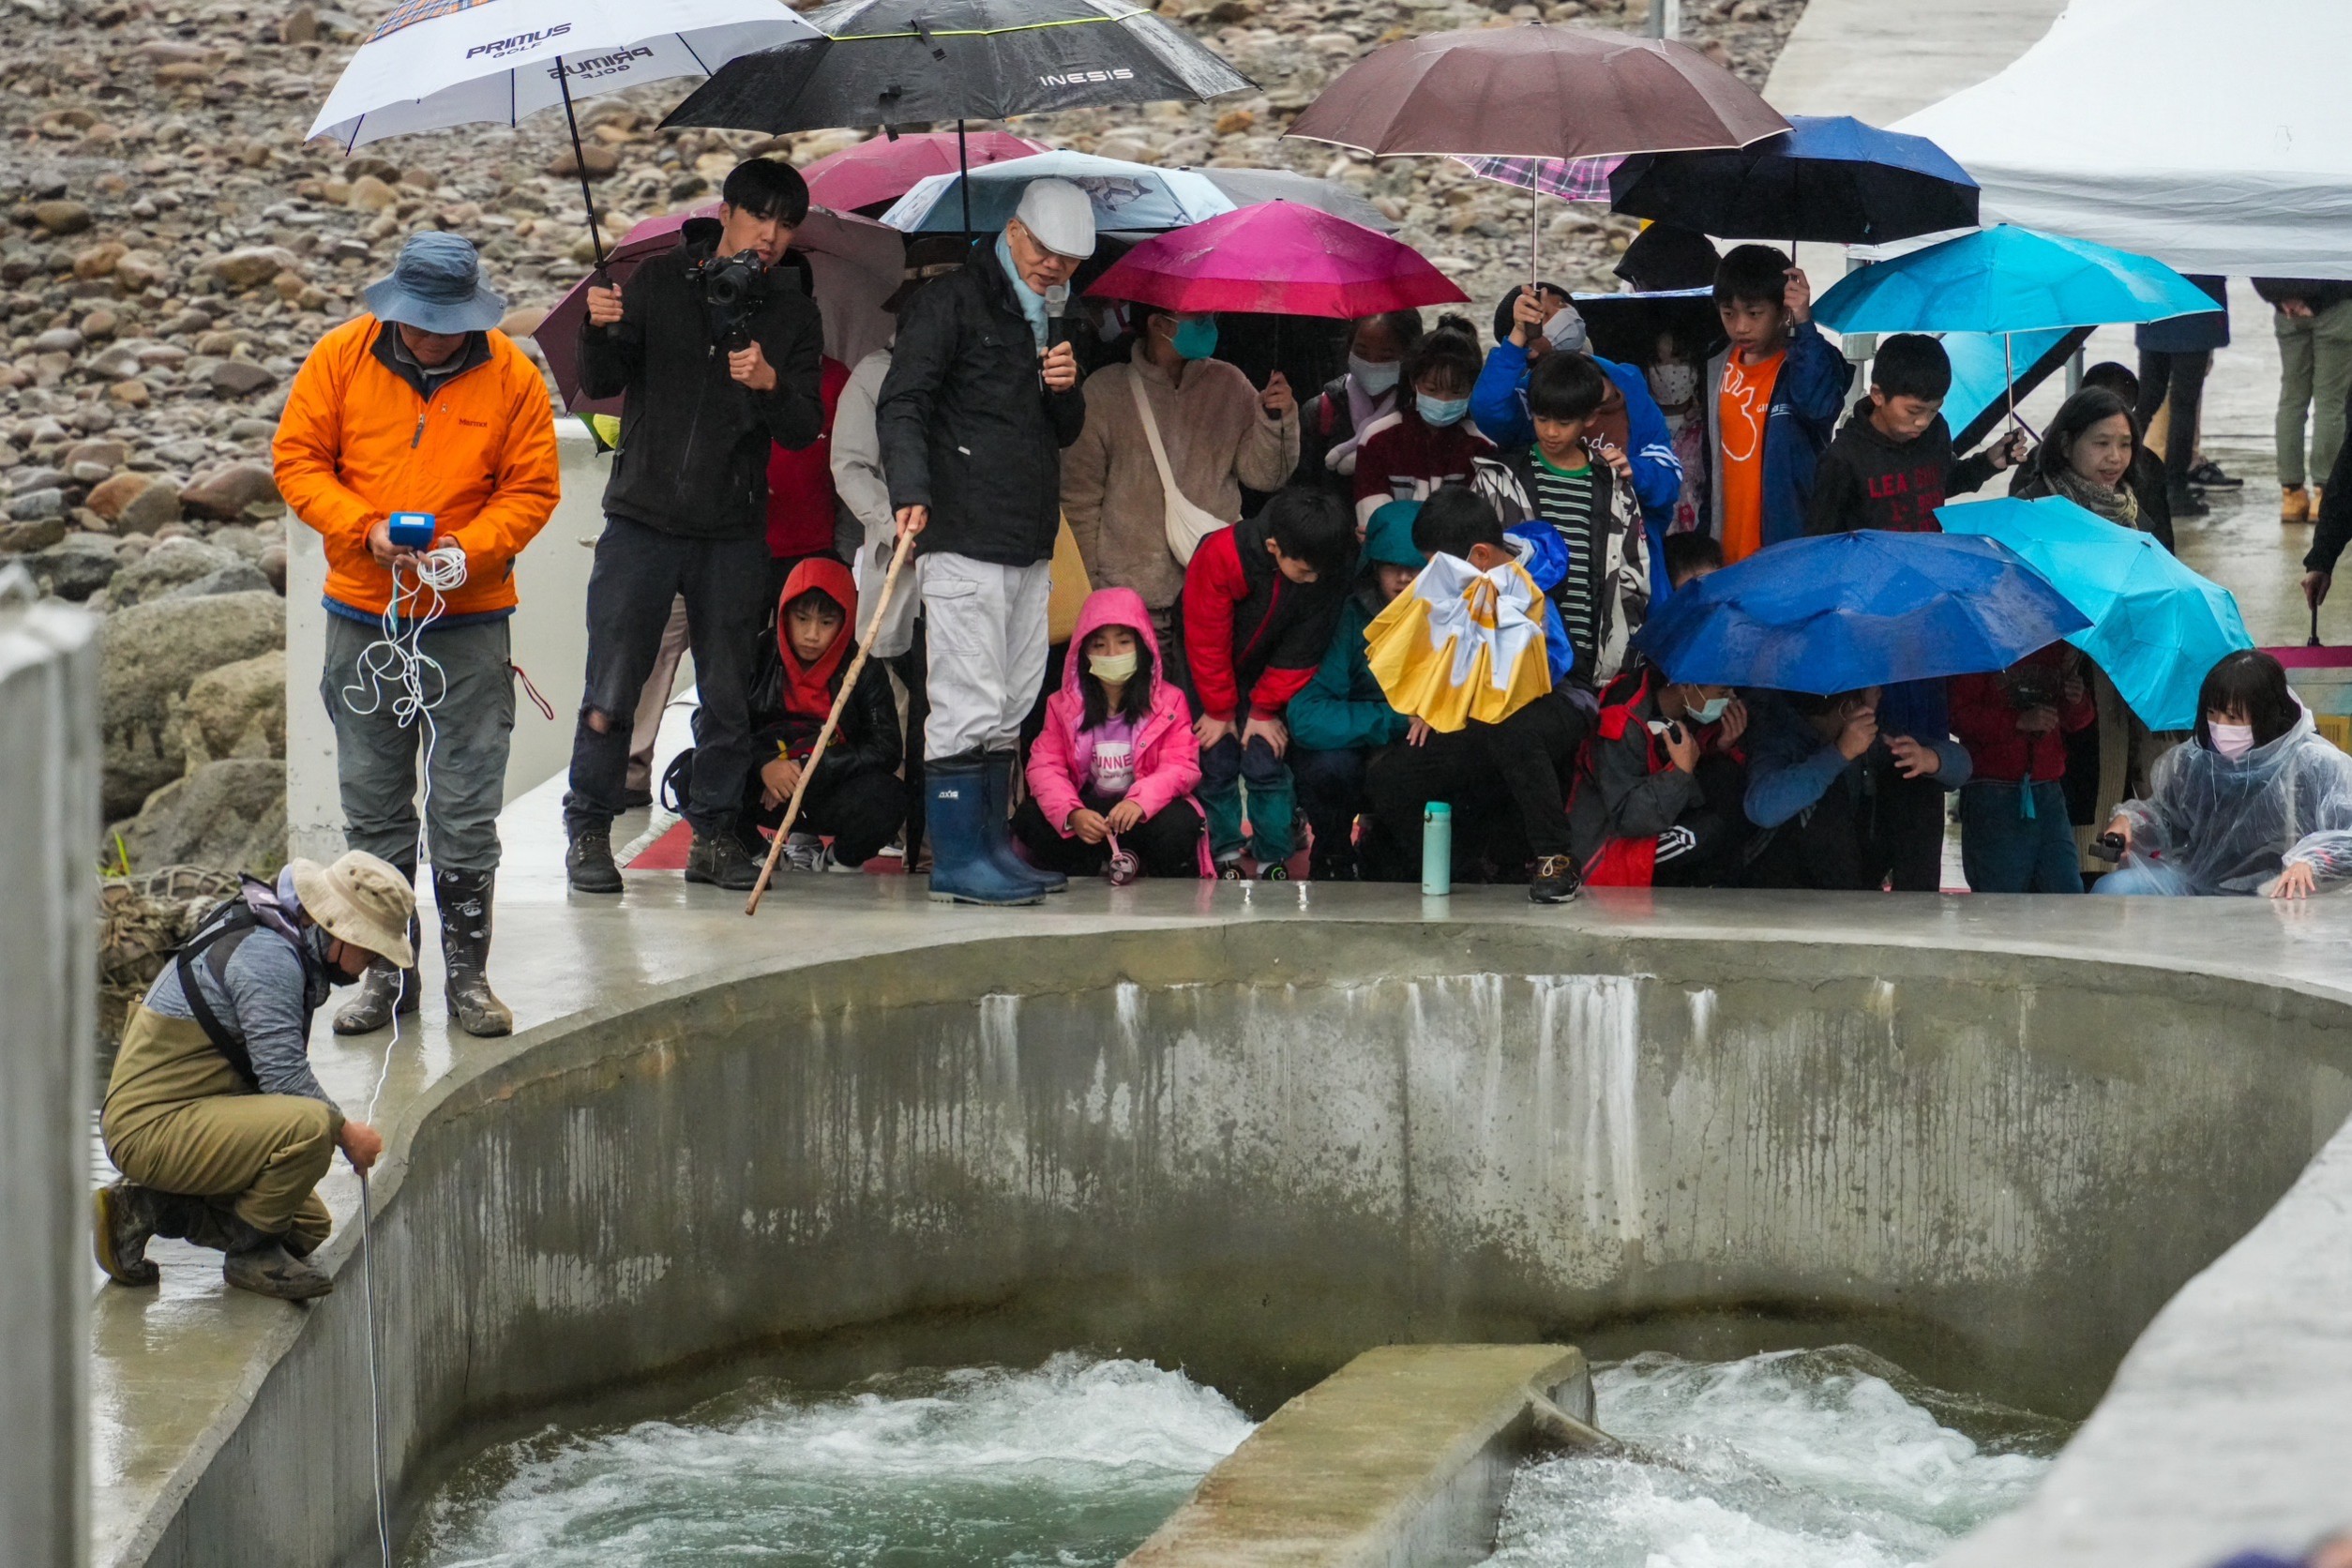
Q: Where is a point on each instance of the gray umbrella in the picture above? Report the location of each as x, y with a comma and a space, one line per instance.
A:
1249, 187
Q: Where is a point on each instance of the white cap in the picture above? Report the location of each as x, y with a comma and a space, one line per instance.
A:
1566, 329
1059, 217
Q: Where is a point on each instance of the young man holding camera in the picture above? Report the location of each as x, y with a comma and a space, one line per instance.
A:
715, 357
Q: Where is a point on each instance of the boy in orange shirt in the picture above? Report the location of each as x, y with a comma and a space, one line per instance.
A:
1779, 388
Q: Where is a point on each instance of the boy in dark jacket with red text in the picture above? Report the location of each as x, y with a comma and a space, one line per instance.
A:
1890, 465
1261, 600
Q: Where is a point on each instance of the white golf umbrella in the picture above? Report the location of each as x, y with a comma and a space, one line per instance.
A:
433, 64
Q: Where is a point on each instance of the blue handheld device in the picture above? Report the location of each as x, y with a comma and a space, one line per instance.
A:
412, 529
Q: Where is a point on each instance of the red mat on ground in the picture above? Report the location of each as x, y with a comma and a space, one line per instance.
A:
669, 853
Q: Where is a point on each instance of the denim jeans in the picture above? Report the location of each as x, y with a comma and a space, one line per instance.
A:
2147, 878
2003, 849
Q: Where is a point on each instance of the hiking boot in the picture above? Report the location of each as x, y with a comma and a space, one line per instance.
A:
126, 1217
719, 859
464, 899
2295, 503
1555, 881
962, 871
2208, 476
262, 1265
588, 862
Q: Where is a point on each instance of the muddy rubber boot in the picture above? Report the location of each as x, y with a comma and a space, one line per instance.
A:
464, 898
262, 1265
126, 1217
961, 870
588, 864
385, 991
999, 826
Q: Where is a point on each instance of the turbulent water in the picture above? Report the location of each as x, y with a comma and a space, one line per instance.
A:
1797, 1459
1071, 1463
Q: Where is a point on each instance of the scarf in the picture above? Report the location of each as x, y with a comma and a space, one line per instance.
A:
1367, 415
1033, 303
808, 689
2115, 505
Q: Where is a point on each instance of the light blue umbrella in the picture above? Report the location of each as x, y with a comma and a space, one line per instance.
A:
1129, 197
2156, 627
2008, 279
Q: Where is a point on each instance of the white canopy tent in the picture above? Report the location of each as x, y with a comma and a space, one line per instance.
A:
2214, 135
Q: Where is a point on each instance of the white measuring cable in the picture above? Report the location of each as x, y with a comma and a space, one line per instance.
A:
397, 671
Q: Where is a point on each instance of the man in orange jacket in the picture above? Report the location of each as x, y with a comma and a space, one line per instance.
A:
422, 406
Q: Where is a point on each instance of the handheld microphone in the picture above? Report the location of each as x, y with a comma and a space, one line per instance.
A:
1057, 315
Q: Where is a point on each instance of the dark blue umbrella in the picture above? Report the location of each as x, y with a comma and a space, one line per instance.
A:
1847, 611
1829, 178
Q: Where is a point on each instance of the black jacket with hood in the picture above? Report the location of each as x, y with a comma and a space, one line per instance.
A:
693, 459
1869, 479
967, 426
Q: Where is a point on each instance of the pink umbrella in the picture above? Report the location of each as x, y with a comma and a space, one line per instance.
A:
878, 170
857, 263
1277, 258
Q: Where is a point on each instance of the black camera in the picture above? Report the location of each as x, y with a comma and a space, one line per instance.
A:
2109, 847
2037, 686
732, 286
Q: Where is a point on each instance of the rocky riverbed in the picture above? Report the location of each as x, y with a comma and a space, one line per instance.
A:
172, 248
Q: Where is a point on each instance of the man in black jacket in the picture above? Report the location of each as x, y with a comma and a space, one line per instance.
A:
982, 397
705, 391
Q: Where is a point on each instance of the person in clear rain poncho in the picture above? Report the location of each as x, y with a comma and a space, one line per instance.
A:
2254, 803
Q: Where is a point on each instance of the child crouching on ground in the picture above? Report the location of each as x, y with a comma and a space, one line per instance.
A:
1660, 785
855, 796
1261, 600
1116, 756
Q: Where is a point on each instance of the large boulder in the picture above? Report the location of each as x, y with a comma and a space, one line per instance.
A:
228, 816
152, 653
76, 566
168, 566
238, 709
225, 493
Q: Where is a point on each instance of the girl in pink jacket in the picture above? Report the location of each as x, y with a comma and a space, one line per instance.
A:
1117, 757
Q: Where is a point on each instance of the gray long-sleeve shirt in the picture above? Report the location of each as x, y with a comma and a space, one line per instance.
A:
266, 1002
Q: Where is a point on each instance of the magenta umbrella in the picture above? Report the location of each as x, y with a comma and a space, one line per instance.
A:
856, 262
1277, 258
878, 170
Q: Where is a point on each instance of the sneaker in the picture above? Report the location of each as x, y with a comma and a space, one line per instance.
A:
588, 862
2188, 504
1273, 871
1555, 881
720, 860
2294, 503
803, 852
2208, 476
1230, 870
829, 861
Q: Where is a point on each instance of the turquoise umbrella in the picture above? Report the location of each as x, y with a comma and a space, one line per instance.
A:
2156, 627
2008, 279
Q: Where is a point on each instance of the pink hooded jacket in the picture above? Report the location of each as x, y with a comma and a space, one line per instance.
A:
1167, 759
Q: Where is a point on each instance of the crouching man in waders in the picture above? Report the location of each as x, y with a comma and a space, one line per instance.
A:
213, 1115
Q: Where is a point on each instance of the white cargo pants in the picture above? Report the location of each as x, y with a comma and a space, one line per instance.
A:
987, 651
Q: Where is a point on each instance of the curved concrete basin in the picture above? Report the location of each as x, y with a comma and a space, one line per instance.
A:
1258, 1147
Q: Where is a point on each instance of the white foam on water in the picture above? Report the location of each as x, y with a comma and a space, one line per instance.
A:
1071, 1463
1796, 1459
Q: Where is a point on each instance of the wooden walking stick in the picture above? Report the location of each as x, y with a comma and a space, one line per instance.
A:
840, 701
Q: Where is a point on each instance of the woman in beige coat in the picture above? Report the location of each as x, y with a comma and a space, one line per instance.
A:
1218, 432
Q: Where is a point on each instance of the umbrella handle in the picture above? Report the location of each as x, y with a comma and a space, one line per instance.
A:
2315, 628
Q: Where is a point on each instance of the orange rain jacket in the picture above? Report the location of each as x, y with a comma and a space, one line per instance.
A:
358, 441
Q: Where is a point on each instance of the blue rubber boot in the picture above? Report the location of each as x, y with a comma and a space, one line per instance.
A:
1000, 827
962, 871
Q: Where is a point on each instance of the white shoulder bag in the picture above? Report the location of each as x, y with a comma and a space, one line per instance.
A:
1186, 523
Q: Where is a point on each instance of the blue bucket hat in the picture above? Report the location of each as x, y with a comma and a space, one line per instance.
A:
436, 286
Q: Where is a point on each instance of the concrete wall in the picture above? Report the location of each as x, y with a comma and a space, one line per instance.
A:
49, 792
1993, 1167
551, 645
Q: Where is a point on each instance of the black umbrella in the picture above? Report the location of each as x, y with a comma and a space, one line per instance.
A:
1832, 179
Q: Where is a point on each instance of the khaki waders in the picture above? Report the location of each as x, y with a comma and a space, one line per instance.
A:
179, 1120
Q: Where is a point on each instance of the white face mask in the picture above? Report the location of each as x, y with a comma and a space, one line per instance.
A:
1375, 378
2232, 741
1673, 384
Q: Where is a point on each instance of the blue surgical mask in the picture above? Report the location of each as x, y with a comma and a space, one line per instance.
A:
1441, 411
1377, 378
1196, 338
1710, 710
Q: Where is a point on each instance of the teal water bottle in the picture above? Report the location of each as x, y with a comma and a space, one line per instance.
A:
1437, 849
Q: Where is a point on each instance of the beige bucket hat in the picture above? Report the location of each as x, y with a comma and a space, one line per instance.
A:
361, 900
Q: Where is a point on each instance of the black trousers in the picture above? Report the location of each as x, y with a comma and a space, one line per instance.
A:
1507, 784
1710, 838
638, 571
2184, 376
1167, 844
1331, 797
1889, 833
858, 808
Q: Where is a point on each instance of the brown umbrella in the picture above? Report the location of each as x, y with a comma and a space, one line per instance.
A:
1536, 92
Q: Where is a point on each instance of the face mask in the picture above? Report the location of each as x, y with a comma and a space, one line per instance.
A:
335, 974
1566, 330
1673, 384
1116, 669
1441, 411
1376, 379
2232, 741
1195, 339
1710, 710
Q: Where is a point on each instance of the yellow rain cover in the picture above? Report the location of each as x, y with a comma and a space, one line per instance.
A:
1461, 644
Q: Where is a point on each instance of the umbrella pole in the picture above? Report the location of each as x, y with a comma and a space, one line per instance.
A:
580, 162
1535, 234
963, 178
2008, 374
